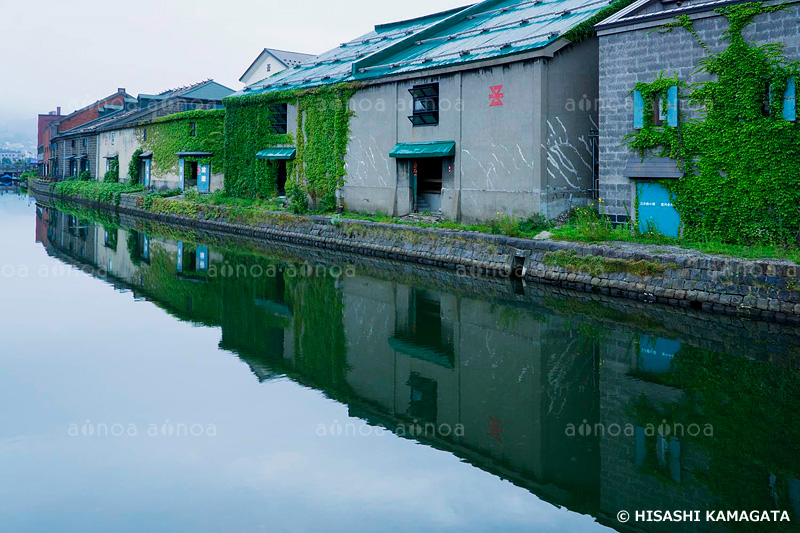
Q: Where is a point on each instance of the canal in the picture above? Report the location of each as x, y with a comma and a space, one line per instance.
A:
159, 379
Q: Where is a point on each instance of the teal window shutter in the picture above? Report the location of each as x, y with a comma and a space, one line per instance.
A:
672, 106
638, 110
790, 101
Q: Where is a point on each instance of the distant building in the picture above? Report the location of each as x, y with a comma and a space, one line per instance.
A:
271, 61
120, 137
55, 164
95, 145
43, 140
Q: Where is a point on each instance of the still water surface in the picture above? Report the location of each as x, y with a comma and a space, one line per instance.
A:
163, 380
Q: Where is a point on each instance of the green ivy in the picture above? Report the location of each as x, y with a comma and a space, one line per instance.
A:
112, 175
742, 166
585, 29
171, 134
323, 126
133, 167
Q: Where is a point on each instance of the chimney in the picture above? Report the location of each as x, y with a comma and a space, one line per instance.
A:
121, 90
58, 110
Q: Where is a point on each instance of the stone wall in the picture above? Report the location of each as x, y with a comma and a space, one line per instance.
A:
637, 53
764, 289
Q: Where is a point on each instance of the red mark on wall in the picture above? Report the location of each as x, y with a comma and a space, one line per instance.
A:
496, 429
496, 95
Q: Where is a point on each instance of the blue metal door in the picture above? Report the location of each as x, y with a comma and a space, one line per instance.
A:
182, 173
202, 258
147, 163
656, 212
180, 257
204, 178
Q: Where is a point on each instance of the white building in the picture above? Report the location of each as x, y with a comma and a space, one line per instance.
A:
271, 61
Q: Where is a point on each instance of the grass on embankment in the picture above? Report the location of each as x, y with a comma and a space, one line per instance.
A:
586, 225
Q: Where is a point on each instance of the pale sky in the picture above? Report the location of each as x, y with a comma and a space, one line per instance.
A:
72, 53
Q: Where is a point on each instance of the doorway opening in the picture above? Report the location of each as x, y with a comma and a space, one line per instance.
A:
428, 173
281, 178
191, 174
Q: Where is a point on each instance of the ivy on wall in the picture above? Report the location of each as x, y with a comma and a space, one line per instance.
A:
323, 126
741, 159
171, 134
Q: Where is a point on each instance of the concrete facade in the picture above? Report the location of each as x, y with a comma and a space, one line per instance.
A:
631, 52
532, 154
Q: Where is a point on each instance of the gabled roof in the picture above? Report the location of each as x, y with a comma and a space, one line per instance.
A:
119, 92
487, 30
286, 58
336, 65
204, 90
208, 91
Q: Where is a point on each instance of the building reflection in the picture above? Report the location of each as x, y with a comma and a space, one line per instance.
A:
513, 373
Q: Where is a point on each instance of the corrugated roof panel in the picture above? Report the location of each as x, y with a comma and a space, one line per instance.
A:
493, 28
502, 29
335, 66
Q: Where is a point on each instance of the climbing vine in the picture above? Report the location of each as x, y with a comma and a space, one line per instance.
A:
323, 126
191, 131
133, 167
740, 157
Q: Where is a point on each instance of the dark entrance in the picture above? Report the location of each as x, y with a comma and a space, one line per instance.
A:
191, 174
281, 178
428, 173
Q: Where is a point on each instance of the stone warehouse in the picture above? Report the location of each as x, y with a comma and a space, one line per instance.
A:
470, 113
636, 47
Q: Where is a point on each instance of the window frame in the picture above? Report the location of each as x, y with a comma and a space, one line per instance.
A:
425, 104
279, 118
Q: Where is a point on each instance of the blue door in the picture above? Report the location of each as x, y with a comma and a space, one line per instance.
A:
181, 173
204, 178
202, 258
656, 212
147, 163
180, 257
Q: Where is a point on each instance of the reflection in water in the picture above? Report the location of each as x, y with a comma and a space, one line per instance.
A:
590, 403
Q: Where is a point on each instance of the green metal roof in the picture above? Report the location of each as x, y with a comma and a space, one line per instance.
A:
487, 30
420, 150
277, 152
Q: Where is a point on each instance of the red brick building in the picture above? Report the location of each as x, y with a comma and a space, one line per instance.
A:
51, 125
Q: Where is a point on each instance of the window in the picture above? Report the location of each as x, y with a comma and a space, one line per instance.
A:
664, 109
659, 110
193, 129
72, 143
426, 105
278, 118
144, 135
269, 67
113, 138
85, 142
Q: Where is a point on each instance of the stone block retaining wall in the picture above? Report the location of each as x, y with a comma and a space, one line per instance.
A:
763, 289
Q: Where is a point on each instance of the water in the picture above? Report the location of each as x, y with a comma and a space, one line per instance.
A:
156, 379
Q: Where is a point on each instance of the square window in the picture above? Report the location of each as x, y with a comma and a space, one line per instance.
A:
426, 105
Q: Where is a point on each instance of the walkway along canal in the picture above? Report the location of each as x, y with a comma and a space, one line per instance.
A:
346, 390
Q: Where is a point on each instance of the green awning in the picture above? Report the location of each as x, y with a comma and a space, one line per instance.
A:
420, 150
277, 152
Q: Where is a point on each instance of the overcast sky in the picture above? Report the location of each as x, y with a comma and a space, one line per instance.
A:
71, 53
